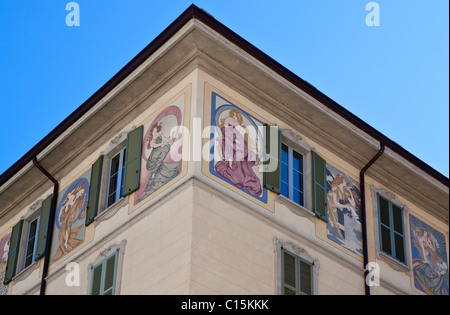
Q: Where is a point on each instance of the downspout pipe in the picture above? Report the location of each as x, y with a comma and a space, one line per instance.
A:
51, 220
363, 213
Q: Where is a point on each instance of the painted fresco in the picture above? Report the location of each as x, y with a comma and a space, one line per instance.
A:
162, 144
236, 155
69, 231
429, 258
344, 210
4, 249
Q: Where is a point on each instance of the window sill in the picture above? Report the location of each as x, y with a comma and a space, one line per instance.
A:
393, 263
296, 208
110, 211
24, 273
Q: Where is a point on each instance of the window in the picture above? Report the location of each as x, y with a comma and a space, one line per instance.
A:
292, 179
103, 277
392, 237
30, 248
115, 178
296, 275
28, 239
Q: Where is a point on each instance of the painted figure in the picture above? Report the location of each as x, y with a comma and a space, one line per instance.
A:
429, 260
72, 208
4, 250
160, 172
343, 204
238, 159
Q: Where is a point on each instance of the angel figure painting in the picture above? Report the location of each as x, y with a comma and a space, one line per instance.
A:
237, 143
70, 218
344, 209
4, 249
161, 152
429, 258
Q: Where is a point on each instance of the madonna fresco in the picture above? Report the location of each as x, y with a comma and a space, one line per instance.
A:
236, 155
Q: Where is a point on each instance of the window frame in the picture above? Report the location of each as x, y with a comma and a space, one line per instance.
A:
391, 228
103, 273
118, 191
298, 274
290, 177
115, 249
27, 227
33, 214
301, 254
117, 145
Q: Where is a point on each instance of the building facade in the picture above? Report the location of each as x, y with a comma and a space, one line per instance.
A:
205, 167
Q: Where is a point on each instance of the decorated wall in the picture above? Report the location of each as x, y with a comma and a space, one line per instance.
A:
344, 210
4, 248
69, 229
163, 154
429, 258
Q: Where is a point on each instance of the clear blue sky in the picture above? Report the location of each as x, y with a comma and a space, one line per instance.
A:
394, 76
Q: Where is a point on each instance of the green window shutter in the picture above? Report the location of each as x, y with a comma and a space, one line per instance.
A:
104, 276
133, 161
384, 222
296, 275
289, 273
305, 277
319, 186
94, 190
272, 167
110, 275
13, 254
43, 227
96, 279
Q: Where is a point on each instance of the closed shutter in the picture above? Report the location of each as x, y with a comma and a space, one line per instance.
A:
103, 279
272, 167
13, 254
110, 275
133, 161
297, 275
43, 227
319, 186
96, 279
289, 274
94, 190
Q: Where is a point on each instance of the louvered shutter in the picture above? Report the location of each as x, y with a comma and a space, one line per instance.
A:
319, 186
289, 274
13, 254
110, 275
272, 167
133, 161
96, 280
94, 190
43, 227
